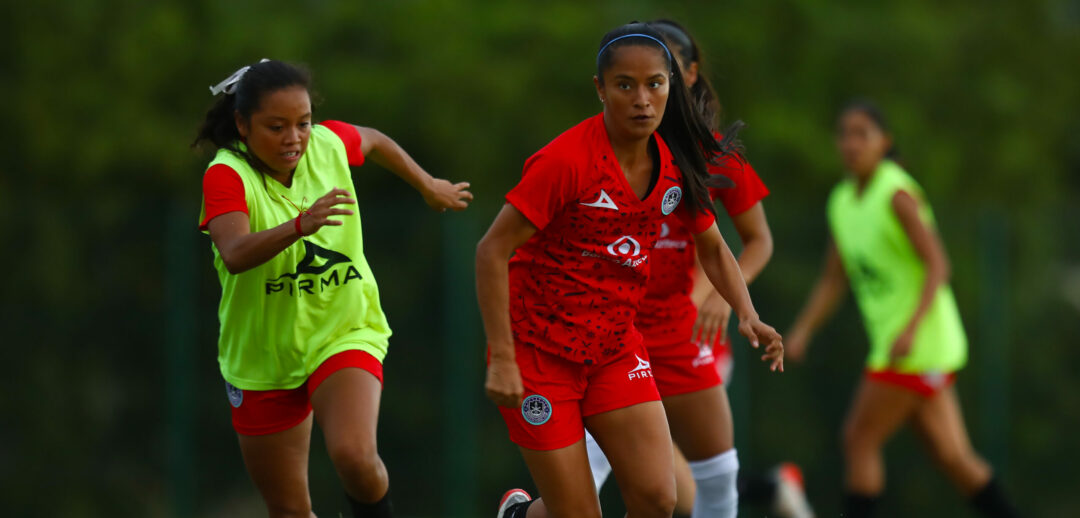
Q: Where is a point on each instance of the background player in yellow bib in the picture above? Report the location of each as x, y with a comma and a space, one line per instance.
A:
302, 331
884, 243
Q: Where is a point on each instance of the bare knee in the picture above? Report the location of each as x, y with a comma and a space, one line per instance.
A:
359, 465
963, 465
656, 499
950, 458
856, 440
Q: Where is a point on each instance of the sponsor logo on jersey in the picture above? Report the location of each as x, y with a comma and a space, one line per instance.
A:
642, 371
625, 246
603, 202
625, 251
671, 200
325, 273
536, 410
236, 396
663, 242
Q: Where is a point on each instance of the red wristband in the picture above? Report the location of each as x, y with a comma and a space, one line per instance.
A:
296, 222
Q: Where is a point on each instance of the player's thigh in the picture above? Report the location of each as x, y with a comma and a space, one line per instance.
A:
876, 412
564, 480
701, 422
637, 442
346, 406
278, 464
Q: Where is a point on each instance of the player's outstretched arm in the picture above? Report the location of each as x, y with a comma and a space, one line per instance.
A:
438, 193
713, 311
826, 296
509, 231
723, 271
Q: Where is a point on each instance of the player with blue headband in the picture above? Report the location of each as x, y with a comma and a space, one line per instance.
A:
564, 353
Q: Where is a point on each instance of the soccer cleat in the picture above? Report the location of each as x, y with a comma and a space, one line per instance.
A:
511, 497
790, 500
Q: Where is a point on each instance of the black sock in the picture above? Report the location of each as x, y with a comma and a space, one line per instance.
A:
380, 509
859, 506
991, 501
756, 489
518, 510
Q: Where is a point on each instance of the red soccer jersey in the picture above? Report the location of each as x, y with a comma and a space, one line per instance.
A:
576, 284
666, 315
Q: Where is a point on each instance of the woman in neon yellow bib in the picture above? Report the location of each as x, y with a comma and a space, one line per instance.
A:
302, 331
884, 244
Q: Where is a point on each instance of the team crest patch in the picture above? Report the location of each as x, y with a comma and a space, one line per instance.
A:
236, 396
536, 409
671, 200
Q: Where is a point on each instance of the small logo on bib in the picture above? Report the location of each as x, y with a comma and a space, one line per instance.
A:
536, 409
671, 200
236, 396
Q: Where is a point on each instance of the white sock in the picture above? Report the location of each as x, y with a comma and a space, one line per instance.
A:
601, 468
717, 493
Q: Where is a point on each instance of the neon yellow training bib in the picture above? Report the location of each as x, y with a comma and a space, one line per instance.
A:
283, 318
887, 274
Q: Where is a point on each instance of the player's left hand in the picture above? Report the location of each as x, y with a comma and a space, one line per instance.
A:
902, 346
441, 195
759, 333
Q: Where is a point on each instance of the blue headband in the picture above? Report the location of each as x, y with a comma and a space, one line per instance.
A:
638, 35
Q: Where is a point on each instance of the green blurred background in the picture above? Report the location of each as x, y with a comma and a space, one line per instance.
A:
114, 405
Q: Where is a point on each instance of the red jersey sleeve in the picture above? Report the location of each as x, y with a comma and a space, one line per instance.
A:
350, 136
694, 220
748, 189
547, 184
223, 192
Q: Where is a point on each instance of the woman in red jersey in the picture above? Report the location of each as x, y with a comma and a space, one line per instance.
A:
683, 321
564, 354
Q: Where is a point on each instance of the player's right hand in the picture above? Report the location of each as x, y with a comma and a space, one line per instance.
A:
712, 319
503, 385
318, 215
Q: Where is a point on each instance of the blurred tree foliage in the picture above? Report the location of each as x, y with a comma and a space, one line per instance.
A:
104, 96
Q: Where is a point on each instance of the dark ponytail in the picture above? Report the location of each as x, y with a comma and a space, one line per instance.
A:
873, 111
219, 126
702, 91
689, 136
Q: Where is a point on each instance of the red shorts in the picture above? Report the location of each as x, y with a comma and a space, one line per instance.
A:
560, 394
690, 366
925, 384
262, 412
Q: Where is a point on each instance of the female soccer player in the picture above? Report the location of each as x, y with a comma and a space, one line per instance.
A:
563, 350
683, 321
885, 243
301, 326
